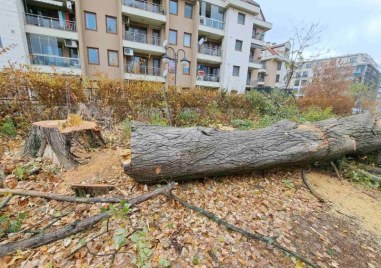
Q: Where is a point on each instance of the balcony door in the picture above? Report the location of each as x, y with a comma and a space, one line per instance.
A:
137, 34
137, 64
156, 66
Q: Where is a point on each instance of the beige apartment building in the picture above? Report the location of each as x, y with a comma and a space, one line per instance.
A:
275, 59
211, 44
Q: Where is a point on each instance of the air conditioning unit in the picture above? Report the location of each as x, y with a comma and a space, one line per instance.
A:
69, 4
71, 43
128, 51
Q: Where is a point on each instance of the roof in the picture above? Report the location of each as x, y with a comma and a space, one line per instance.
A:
251, 2
272, 51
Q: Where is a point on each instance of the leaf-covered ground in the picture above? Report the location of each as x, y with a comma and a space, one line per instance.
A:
165, 234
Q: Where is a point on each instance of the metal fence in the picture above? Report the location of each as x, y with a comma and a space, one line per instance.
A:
49, 22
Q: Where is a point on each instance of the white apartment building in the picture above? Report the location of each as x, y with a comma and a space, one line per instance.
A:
218, 43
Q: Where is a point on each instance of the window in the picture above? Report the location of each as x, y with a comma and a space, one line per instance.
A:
308, 65
277, 78
241, 18
93, 55
235, 70
1, 43
297, 82
110, 24
173, 37
172, 66
238, 45
304, 82
156, 37
305, 74
173, 7
298, 75
188, 10
186, 69
156, 66
279, 66
112, 56
187, 39
91, 21
353, 60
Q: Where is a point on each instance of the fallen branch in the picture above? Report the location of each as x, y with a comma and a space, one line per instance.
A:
65, 198
252, 235
336, 170
373, 177
371, 169
74, 227
5, 201
313, 192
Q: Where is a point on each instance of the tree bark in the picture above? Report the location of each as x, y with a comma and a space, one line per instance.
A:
66, 147
168, 153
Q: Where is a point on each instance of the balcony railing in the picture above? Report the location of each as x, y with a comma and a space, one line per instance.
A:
209, 78
210, 50
155, 8
144, 70
57, 61
49, 22
212, 23
142, 38
252, 83
258, 36
253, 60
261, 79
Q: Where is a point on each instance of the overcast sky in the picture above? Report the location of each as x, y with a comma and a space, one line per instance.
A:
351, 26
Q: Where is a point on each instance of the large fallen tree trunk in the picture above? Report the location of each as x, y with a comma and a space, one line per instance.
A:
160, 153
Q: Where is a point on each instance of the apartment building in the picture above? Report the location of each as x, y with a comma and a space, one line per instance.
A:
274, 59
211, 44
362, 67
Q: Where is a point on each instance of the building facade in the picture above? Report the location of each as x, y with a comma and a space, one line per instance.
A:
218, 43
362, 68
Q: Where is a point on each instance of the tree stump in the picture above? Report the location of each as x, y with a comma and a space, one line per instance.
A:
65, 146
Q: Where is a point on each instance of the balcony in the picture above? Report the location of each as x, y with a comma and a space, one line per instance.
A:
137, 9
143, 43
207, 54
144, 73
51, 63
211, 27
254, 63
209, 80
258, 38
50, 26
251, 83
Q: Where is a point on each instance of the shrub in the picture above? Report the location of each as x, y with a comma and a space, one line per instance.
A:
8, 128
242, 123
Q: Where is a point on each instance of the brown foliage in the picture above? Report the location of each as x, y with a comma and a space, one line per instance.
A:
329, 88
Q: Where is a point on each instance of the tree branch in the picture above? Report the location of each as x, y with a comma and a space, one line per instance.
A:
308, 186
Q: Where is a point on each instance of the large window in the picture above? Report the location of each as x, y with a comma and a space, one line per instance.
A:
111, 24
90, 21
187, 39
236, 70
238, 45
241, 18
93, 55
188, 10
173, 7
113, 59
173, 37
212, 11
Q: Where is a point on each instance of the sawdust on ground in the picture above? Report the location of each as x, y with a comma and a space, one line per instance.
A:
349, 201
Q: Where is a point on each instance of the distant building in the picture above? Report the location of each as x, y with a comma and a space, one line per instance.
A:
364, 70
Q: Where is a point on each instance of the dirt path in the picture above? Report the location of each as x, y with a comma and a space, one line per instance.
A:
348, 201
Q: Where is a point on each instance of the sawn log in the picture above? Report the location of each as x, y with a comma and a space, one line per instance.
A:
170, 153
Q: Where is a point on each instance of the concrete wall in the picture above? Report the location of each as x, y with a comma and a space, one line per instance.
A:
12, 33
100, 38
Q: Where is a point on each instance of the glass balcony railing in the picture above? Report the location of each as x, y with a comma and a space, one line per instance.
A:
142, 38
144, 70
252, 59
212, 23
209, 78
151, 7
207, 50
258, 36
49, 22
252, 83
57, 61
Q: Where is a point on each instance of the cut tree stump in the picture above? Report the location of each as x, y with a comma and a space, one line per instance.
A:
67, 146
169, 153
